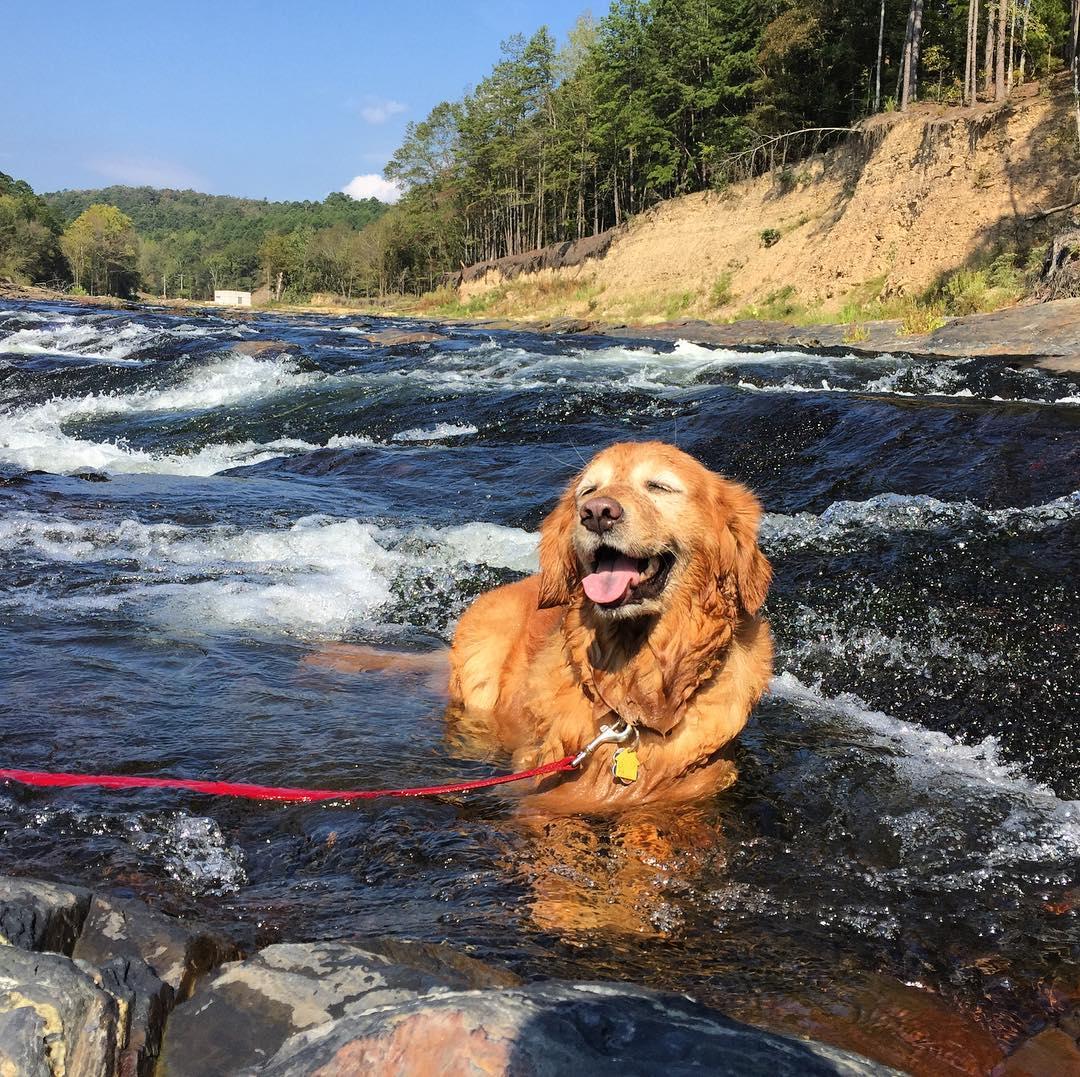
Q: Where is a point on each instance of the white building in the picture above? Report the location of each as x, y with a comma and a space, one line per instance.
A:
232, 299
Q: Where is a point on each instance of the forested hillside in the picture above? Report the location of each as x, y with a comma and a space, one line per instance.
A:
668, 97
192, 243
29, 234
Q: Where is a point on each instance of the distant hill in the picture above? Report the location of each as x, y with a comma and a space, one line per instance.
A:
157, 212
195, 242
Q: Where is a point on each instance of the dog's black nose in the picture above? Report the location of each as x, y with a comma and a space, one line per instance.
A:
599, 514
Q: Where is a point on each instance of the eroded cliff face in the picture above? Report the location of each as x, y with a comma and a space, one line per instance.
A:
906, 200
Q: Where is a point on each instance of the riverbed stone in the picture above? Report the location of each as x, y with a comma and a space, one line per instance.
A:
441, 961
242, 1015
550, 1029
54, 1018
913, 1029
37, 915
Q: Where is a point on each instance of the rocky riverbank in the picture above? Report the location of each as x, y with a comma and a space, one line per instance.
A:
95, 985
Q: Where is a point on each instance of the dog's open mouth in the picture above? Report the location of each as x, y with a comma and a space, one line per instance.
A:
619, 580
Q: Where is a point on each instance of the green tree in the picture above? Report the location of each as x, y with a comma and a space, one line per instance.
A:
102, 248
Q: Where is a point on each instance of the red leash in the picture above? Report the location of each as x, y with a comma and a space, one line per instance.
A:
271, 792
618, 734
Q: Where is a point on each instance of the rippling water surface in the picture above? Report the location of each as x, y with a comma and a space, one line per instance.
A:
181, 523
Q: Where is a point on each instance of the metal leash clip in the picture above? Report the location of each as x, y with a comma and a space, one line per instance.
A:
617, 734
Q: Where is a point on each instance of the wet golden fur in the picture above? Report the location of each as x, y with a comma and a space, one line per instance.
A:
537, 667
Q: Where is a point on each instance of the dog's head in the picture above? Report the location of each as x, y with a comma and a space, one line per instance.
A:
644, 526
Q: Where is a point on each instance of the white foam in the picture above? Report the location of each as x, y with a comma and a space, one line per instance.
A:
107, 341
936, 382
34, 437
1039, 824
192, 850
436, 432
890, 513
320, 577
488, 544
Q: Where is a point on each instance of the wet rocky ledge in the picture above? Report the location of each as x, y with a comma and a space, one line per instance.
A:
96, 984
1032, 334
93, 985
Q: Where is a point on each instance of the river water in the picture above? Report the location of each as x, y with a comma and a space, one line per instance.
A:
181, 524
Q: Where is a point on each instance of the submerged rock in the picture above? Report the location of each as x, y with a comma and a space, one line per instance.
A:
41, 916
555, 1029
249, 1009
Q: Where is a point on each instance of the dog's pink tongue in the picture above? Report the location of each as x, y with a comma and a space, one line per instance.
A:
611, 581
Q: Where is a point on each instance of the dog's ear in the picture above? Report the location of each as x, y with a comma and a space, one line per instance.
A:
739, 512
558, 566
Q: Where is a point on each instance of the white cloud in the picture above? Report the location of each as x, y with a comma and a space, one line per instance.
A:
379, 111
372, 186
145, 170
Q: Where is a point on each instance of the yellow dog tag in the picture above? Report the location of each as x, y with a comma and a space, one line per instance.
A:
624, 767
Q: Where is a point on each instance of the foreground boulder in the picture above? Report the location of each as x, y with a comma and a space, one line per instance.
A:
548, 1030
102, 1009
240, 1017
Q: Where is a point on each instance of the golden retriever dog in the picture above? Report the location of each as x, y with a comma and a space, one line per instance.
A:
645, 612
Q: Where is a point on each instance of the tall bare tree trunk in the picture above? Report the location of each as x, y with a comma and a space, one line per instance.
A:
1012, 47
1074, 32
971, 58
909, 66
877, 66
988, 51
1000, 89
1023, 40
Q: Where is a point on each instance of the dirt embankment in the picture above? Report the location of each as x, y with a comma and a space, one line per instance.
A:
908, 199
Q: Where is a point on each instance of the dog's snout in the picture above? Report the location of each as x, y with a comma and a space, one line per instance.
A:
600, 514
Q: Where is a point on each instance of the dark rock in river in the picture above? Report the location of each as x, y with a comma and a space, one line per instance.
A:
555, 1029
41, 916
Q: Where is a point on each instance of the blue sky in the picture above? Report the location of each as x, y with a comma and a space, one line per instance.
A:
267, 100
